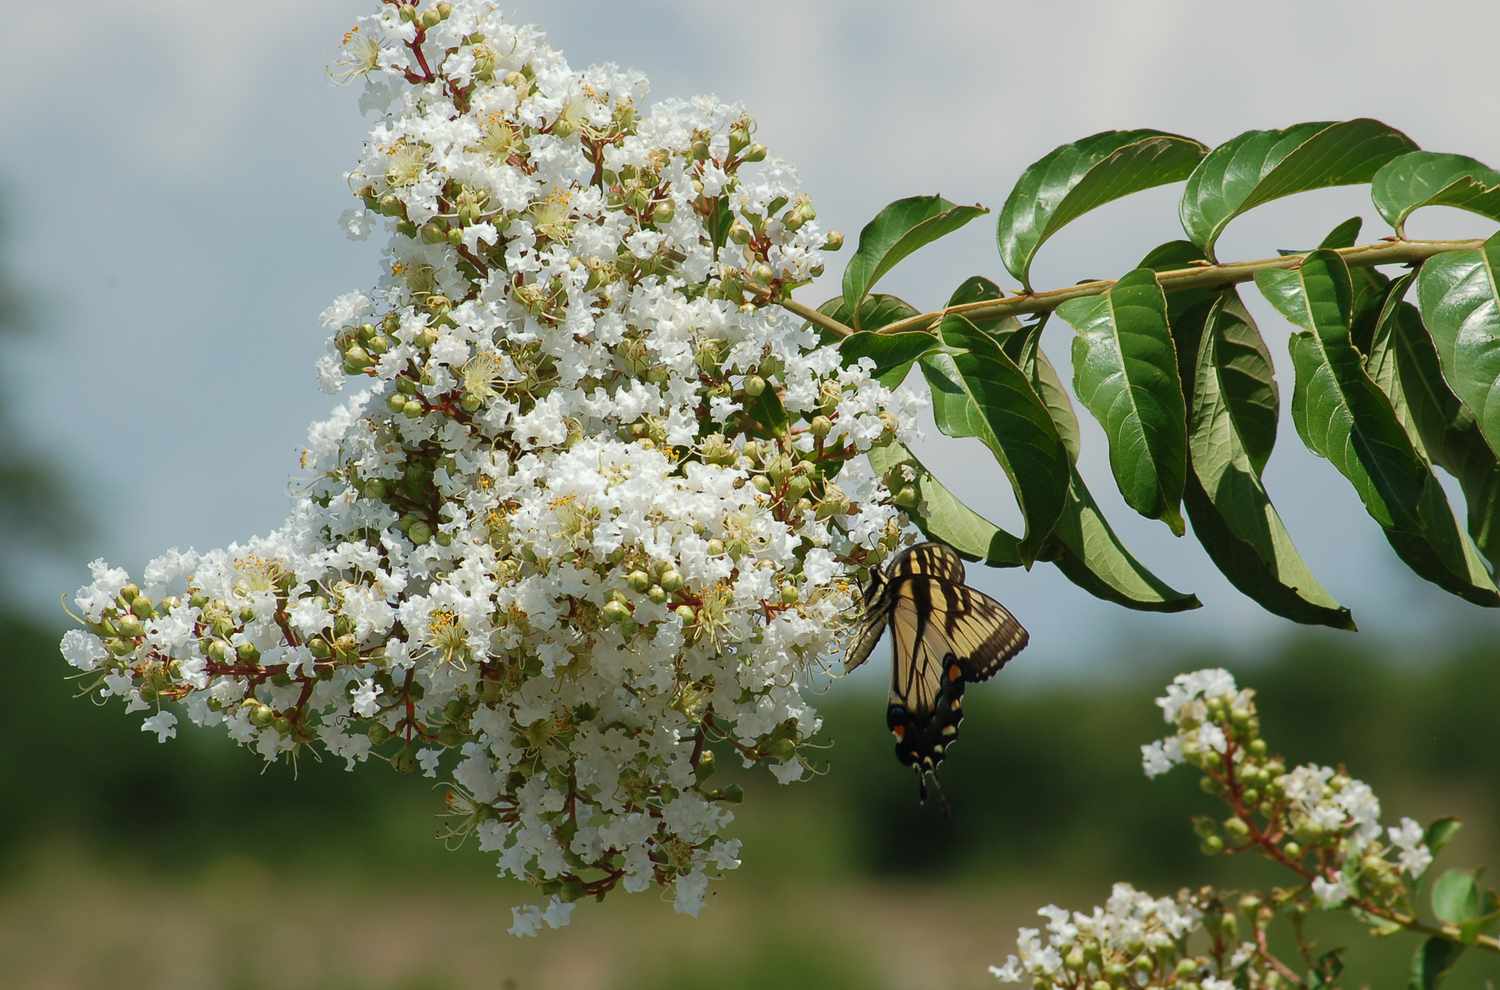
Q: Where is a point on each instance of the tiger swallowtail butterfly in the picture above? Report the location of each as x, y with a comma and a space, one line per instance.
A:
945, 635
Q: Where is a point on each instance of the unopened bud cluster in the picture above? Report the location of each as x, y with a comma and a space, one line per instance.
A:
599, 506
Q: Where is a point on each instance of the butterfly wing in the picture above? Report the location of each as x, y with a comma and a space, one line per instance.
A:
927, 681
870, 625
933, 560
944, 636
979, 630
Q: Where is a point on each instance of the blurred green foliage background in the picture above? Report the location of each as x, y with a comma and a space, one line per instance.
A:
128, 864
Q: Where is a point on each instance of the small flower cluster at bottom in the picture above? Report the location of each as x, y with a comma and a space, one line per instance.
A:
1134, 940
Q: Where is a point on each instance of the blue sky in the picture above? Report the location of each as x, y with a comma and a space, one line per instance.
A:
173, 172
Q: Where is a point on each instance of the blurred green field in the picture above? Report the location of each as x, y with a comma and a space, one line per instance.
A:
128, 864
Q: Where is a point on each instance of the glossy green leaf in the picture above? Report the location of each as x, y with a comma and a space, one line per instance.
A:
1457, 897
897, 231
1076, 178
1125, 373
1343, 416
878, 311
1259, 166
1459, 292
1403, 363
1426, 178
978, 391
1089, 554
1186, 310
942, 516
1083, 546
980, 289
1440, 833
1234, 400
1345, 235
893, 353
1431, 962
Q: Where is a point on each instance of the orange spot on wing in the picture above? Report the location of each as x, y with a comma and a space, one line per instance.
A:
899, 732
954, 673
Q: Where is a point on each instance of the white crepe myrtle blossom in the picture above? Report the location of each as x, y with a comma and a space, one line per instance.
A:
598, 507
1316, 822
1316, 819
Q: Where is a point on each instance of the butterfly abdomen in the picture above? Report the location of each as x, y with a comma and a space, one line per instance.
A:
922, 742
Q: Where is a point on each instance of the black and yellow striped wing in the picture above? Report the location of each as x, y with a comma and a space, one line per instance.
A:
945, 635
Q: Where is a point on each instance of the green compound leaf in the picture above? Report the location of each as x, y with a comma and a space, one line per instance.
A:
1432, 962
1232, 427
1125, 373
1076, 178
1404, 364
1259, 166
942, 516
1426, 178
897, 231
1343, 416
1460, 299
977, 391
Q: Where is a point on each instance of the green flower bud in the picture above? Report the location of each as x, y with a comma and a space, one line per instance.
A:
798, 486
261, 715
1236, 829
1292, 850
715, 548
835, 241
430, 19
671, 580
639, 581
739, 139
615, 612
420, 533
664, 213
687, 614
821, 426
657, 594
790, 595
1075, 960
762, 484
755, 153
142, 607
445, 11
247, 653
1212, 846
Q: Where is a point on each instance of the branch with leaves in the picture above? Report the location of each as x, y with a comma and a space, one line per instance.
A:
1169, 361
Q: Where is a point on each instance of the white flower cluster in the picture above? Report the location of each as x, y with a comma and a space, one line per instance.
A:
1308, 809
601, 506
1133, 940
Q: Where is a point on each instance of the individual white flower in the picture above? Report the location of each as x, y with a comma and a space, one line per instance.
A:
1331, 893
163, 723
1409, 838
1161, 756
